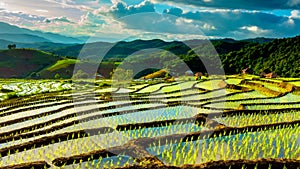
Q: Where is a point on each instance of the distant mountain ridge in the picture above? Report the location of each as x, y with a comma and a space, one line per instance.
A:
22, 38
279, 55
121, 50
36, 36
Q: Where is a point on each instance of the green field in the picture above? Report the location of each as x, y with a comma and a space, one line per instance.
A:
62, 64
65, 124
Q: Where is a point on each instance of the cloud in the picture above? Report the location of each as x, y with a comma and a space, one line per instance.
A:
121, 9
207, 26
144, 18
160, 23
91, 19
237, 4
293, 18
42, 10
235, 23
243, 23
254, 29
58, 19
295, 14
2, 4
20, 18
294, 3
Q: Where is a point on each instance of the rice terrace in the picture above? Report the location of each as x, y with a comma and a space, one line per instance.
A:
154, 84
238, 121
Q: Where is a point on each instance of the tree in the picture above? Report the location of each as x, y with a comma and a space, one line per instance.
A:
56, 76
13, 46
80, 74
120, 74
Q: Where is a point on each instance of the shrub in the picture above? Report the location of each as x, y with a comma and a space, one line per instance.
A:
56, 76
80, 74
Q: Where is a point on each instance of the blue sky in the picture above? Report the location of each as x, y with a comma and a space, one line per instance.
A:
113, 20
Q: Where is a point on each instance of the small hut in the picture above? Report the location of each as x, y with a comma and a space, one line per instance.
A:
247, 71
271, 75
198, 75
268, 75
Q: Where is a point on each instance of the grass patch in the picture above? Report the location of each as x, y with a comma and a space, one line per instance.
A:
62, 64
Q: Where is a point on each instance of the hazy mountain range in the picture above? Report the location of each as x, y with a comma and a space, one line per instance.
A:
22, 36
26, 38
52, 54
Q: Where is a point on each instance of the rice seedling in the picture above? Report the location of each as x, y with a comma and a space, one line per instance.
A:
257, 119
280, 143
59, 125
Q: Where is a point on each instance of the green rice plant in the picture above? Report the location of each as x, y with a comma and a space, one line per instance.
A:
210, 85
271, 86
295, 83
242, 95
179, 86
167, 129
233, 104
234, 81
152, 88
277, 106
258, 119
278, 143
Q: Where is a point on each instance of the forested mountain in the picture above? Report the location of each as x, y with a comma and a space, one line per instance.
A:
281, 56
20, 63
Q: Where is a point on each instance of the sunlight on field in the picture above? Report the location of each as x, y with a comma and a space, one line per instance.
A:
84, 124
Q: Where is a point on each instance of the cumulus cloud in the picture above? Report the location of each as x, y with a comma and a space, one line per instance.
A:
20, 18
243, 23
207, 26
58, 19
42, 10
160, 23
254, 29
238, 4
121, 9
235, 23
295, 14
293, 18
119, 18
294, 3
92, 19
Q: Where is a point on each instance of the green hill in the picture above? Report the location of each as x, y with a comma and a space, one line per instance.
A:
20, 63
281, 56
65, 68
31, 63
62, 68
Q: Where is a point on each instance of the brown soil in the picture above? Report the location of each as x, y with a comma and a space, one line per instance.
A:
233, 164
261, 88
58, 119
47, 140
199, 118
297, 88
137, 148
28, 99
34, 165
236, 87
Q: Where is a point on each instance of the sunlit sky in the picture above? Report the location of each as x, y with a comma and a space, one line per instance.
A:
169, 20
